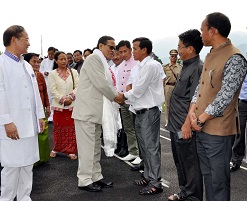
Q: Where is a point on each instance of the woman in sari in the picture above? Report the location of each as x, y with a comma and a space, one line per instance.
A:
62, 82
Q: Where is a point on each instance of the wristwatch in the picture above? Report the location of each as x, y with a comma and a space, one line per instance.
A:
199, 123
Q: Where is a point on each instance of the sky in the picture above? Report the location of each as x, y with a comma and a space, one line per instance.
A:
78, 24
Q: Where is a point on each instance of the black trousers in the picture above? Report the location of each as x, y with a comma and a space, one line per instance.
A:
238, 149
188, 168
122, 138
214, 153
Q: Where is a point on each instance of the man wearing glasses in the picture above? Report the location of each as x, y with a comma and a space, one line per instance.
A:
95, 91
172, 71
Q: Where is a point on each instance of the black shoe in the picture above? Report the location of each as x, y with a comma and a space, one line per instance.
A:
92, 187
123, 153
117, 151
234, 167
102, 183
137, 168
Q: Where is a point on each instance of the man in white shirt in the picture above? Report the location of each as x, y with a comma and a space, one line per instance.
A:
21, 117
146, 96
45, 67
128, 117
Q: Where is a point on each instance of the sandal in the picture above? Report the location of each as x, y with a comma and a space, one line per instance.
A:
176, 197
53, 154
150, 190
72, 156
142, 182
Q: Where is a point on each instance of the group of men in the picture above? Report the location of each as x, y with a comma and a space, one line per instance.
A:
202, 116
203, 111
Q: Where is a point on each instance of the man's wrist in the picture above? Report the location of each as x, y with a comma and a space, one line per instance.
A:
199, 123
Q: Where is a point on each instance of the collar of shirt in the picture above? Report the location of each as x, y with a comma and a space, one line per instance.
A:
144, 61
15, 58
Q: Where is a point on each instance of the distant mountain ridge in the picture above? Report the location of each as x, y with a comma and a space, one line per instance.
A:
162, 47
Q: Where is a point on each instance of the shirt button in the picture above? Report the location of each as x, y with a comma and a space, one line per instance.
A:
199, 95
205, 69
202, 82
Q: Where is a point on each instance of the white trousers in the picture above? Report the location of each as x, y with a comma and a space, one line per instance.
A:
16, 181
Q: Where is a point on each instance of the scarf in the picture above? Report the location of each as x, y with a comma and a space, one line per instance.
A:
109, 117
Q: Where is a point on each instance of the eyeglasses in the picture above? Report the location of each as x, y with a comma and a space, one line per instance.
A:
111, 47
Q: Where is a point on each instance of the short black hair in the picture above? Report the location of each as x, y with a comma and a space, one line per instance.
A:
52, 49
104, 40
192, 38
219, 21
89, 50
144, 43
12, 31
80, 52
123, 43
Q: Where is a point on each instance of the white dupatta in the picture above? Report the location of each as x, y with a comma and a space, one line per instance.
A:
109, 123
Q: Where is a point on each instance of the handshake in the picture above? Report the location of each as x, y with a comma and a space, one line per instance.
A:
120, 99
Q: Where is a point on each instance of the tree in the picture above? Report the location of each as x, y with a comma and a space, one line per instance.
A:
155, 57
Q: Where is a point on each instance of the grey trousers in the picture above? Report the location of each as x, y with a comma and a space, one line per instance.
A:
214, 154
147, 127
127, 118
89, 152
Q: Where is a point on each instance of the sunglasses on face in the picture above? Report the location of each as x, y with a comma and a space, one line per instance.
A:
111, 47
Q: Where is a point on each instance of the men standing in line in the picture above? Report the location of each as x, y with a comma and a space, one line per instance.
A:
125, 67
238, 149
45, 67
147, 96
172, 71
95, 85
78, 59
213, 111
184, 150
21, 117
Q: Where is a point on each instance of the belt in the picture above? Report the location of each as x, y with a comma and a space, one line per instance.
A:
144, 110
172, 84
244, 101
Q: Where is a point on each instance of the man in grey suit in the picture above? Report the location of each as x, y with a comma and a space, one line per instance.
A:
95, 82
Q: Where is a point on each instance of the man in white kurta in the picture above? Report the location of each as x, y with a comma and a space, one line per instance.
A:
21, 117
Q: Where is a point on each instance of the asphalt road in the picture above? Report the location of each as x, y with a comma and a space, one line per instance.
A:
58, 181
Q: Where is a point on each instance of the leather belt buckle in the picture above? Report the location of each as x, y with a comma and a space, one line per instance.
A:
144, 110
